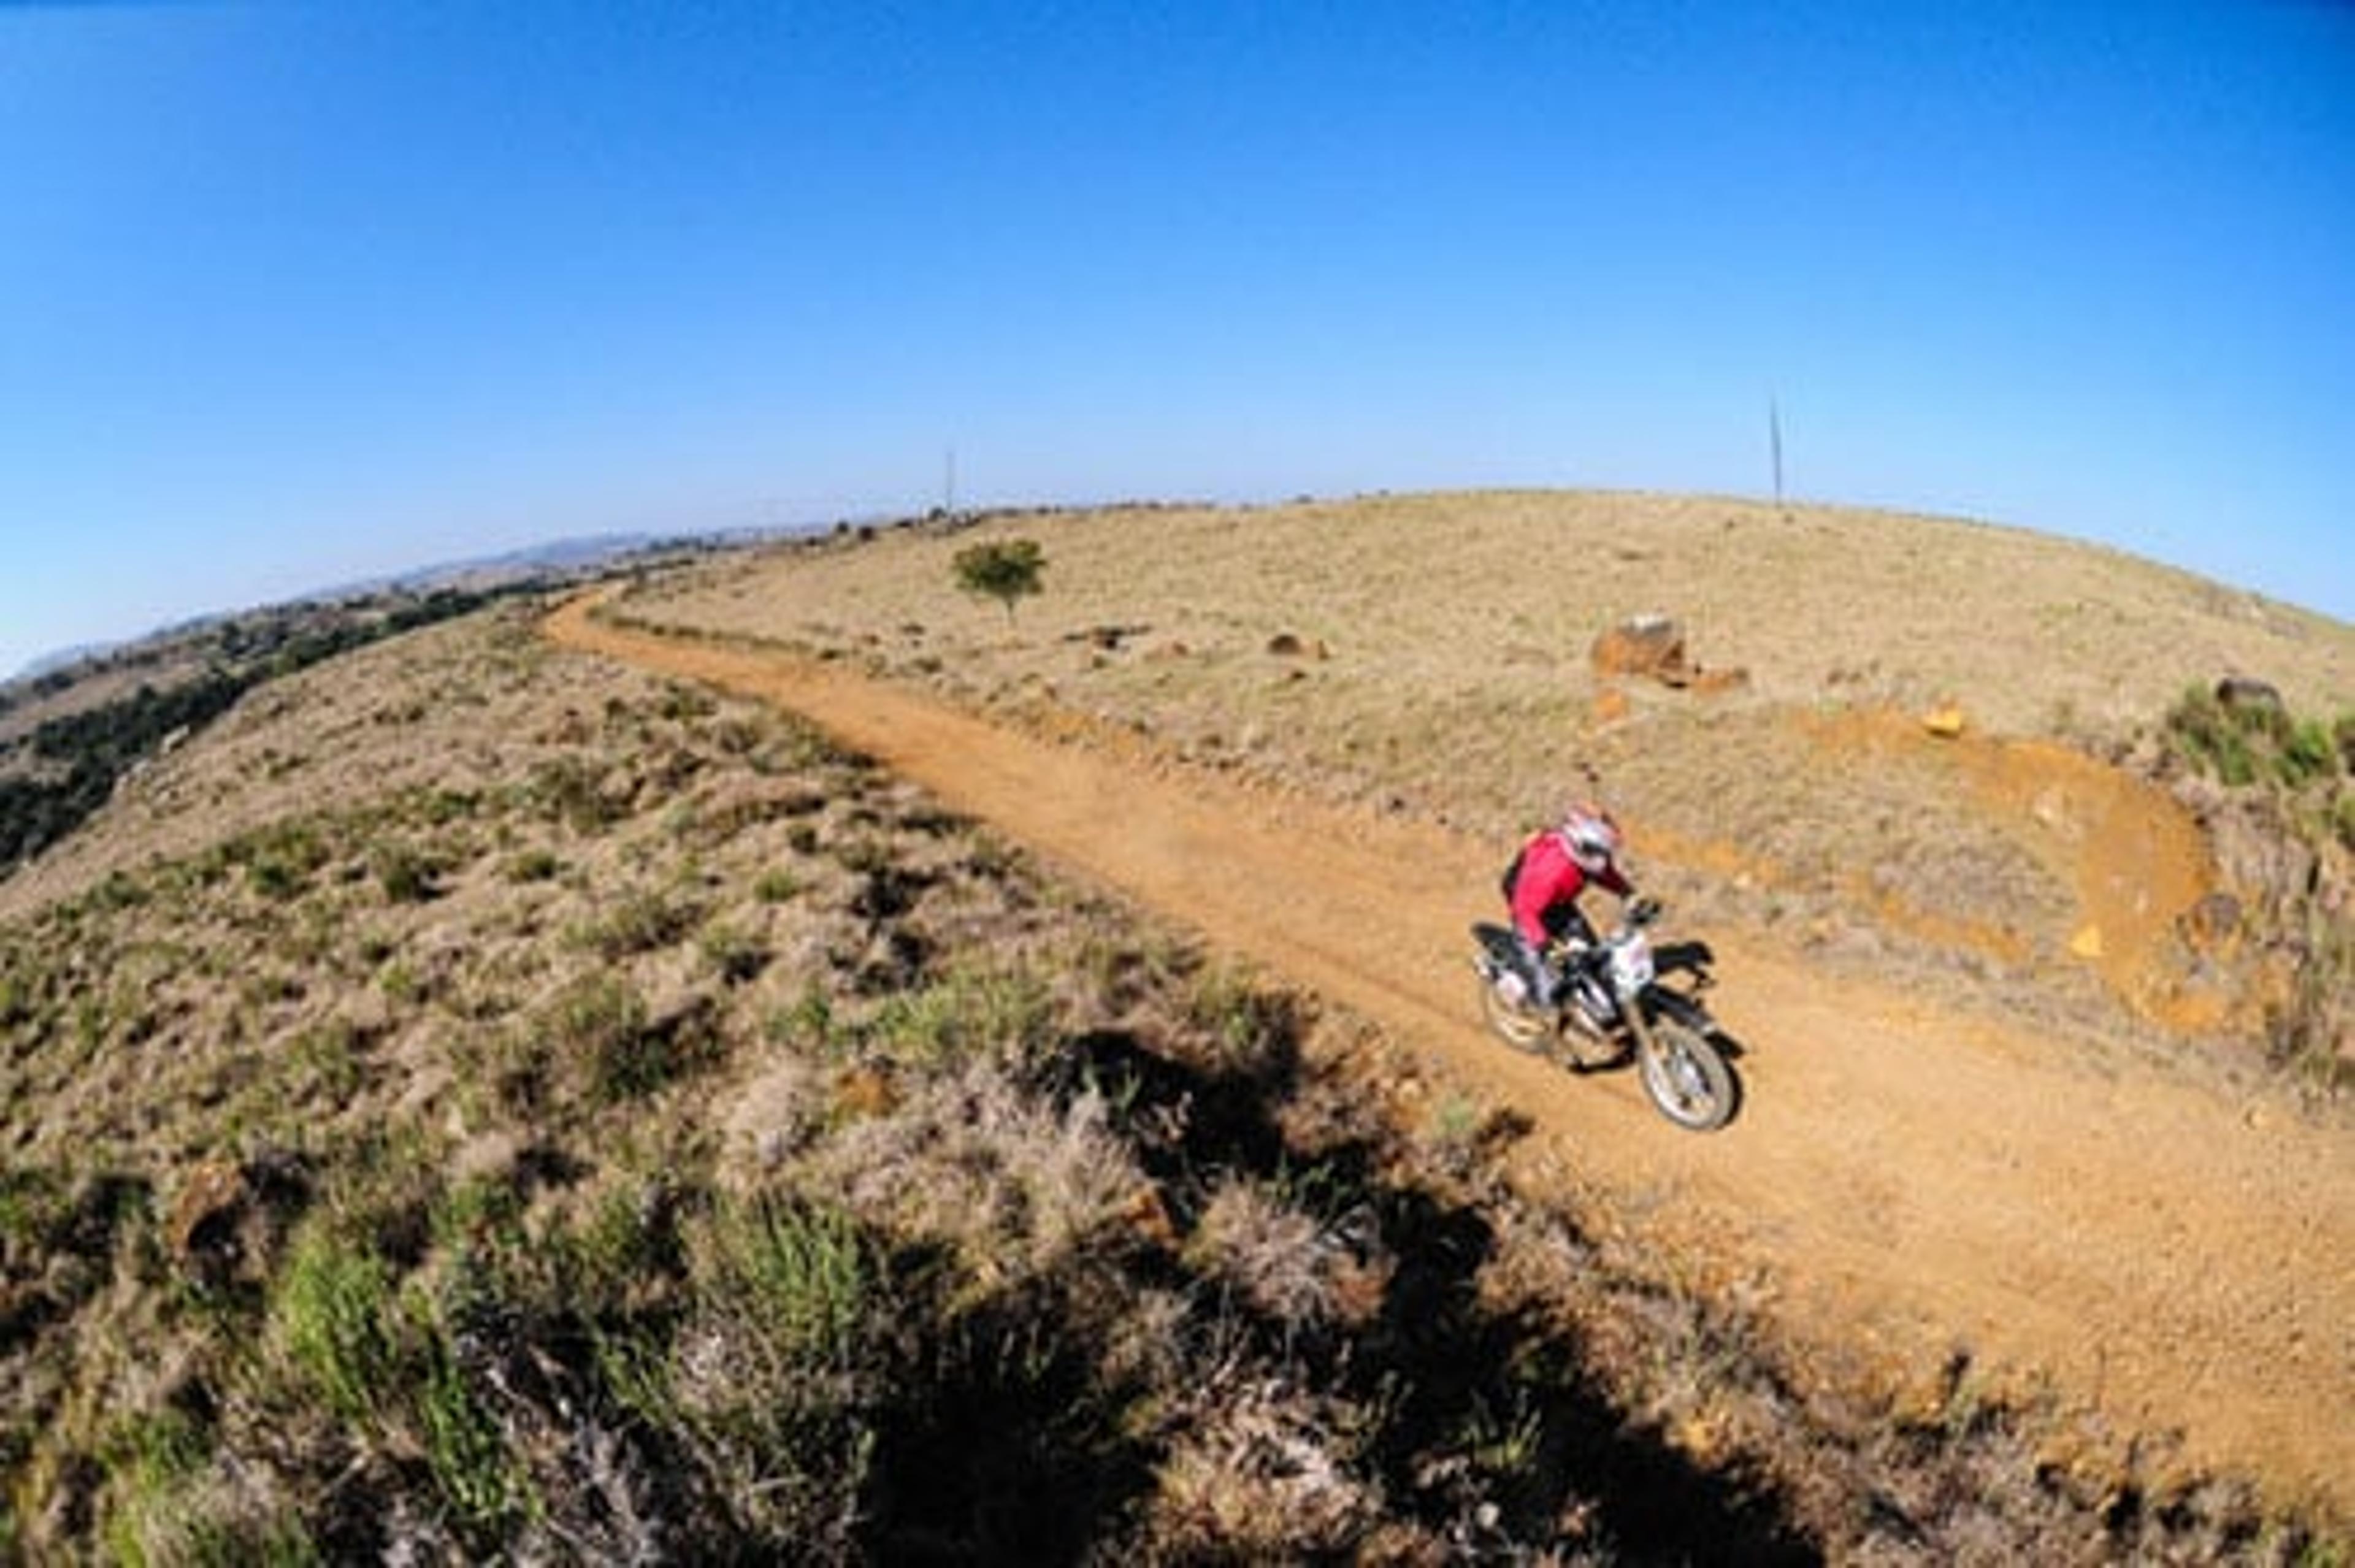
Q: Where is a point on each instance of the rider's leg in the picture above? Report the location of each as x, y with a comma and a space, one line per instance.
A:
1574, 935
1543, 982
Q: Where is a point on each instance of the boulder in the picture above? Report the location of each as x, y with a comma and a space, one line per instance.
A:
2243, 693
1651, 645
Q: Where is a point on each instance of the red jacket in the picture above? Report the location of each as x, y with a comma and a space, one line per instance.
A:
1549, 879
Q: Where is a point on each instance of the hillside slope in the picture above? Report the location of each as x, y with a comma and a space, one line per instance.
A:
1905, 1181
1442, 673
479, 1099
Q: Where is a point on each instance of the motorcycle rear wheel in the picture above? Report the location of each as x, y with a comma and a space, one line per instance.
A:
1686, 1076
1520, 1025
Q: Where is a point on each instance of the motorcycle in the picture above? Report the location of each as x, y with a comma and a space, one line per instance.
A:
1612, 1004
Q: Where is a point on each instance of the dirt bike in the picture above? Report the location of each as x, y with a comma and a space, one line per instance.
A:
1612, 1003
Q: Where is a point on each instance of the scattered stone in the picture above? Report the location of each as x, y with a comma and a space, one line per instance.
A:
2243, 693
1110, 638
1285, 645
1946, 723
863, 1092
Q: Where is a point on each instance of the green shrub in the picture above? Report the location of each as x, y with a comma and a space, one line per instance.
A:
464, 1448
2212, 737
441, 807
796, 1276
406, 874
640, 922
968, 1012
325, 1060
681, 704
2309, 753
624, 1242
736, 954
534, 866
808, 1024
571, 791
2256, 742
776, 1378
1003, 569
281, 860
1251, 1030
332, 1319
600, 1023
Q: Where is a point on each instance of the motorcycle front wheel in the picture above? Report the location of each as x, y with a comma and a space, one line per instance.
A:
1519, 1024
1686, 1076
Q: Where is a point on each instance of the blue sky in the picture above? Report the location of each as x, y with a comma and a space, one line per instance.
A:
295, 293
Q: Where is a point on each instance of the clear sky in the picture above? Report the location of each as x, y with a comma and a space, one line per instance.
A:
295, 293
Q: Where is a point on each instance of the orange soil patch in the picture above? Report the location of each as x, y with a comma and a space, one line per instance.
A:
2134, 858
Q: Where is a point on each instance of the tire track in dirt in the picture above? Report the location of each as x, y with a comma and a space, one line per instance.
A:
1906, 1181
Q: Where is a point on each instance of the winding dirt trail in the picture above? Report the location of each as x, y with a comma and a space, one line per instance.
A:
1905, 1181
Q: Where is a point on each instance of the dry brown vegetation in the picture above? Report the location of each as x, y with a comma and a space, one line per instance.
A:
477, 1101
1428, 656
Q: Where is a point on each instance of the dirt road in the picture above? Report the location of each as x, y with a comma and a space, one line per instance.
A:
1906, 1182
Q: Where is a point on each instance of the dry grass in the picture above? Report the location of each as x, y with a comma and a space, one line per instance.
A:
1428, 655
583, 1121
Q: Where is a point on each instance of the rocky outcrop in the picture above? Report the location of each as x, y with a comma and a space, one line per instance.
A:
1652, 647
1645, 646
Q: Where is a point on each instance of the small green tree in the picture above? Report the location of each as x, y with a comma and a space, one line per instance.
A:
1003, 569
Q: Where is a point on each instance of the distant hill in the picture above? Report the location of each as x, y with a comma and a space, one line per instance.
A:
578, 554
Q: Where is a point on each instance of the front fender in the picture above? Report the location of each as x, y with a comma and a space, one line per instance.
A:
1500, 943
1662, 1002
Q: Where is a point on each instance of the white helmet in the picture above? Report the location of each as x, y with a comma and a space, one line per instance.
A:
1590, 835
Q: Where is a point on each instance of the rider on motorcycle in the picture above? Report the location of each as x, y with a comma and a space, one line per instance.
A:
1551, 870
